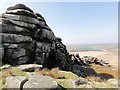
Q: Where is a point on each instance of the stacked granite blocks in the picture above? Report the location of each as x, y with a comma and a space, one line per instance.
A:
26, 38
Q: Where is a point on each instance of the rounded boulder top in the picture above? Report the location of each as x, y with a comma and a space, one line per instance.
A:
19, 6
58, 39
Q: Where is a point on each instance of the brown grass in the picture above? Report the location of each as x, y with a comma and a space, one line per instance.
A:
94, 78
10, 72
105, 70
52, 73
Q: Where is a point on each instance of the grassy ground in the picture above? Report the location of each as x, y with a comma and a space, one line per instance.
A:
67, 79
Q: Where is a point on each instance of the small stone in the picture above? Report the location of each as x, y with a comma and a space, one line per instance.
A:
29, 67
80, 82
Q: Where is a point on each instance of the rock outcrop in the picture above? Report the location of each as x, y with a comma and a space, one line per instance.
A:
26, 38
33, 81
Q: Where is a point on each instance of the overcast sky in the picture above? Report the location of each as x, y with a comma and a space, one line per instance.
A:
78, 22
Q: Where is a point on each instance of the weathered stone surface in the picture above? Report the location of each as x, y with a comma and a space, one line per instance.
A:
12, 29
1, 55
15, 82
19, 6
20, 23
13, 56
19, 53
42, 82
14, 38
21, 12
30, 67
44, 46
45, 34
39, 16
42, 52
26, 39
21, 18
46, 27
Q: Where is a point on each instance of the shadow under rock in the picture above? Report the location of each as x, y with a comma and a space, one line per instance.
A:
105, 76
87, 71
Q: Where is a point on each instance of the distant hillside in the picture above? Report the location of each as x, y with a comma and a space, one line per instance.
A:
93, 47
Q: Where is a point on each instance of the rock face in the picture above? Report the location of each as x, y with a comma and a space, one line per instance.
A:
15, 82
33, 81
26, 39
42, 82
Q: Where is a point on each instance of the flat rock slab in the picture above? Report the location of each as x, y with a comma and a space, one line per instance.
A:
38, 81
21, 12
15, 81
20, 23
39, 16
47, 34
29, 67
22, 18
19, 6
14, 38
12, 29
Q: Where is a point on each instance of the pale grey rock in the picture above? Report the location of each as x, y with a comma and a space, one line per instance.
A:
21, 12
12, 29
36, 80
20, 23
30, 67
14, 38
15, 82
22, 18
12, 46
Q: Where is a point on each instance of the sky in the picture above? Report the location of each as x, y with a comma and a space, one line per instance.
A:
78, 22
